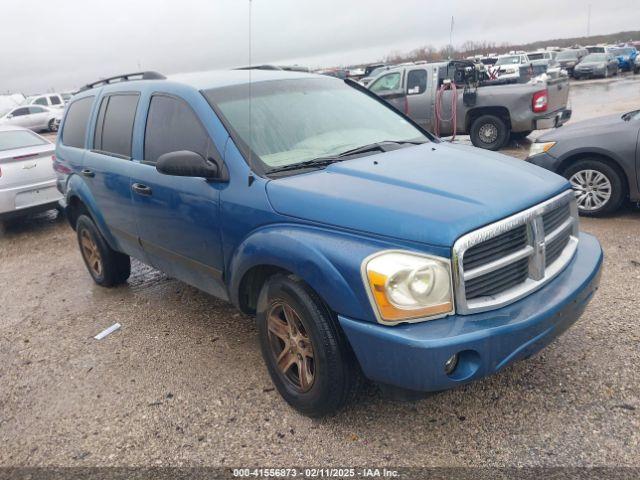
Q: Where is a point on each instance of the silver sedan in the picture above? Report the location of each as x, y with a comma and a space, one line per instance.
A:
34, 117
27, 178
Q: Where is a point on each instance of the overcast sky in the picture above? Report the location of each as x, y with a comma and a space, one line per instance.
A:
48, 45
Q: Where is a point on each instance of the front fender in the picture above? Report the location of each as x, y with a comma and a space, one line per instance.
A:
77, 188
328, 261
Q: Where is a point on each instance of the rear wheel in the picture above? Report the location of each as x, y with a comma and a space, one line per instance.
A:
489, 132
598, 187
106, 266
306, 353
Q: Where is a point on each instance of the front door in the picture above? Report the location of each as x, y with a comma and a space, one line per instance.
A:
178, 217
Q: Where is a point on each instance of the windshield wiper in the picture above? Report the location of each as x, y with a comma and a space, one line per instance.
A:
328, 160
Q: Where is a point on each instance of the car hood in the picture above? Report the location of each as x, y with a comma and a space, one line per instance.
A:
581, 128
430, 194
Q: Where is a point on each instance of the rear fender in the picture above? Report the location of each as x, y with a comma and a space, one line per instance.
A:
77, 188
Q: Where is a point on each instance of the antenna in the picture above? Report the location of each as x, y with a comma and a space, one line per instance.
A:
250, 91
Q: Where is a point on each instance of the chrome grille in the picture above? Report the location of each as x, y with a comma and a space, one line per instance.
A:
503, 262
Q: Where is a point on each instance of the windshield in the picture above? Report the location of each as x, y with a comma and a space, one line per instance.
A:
12, 139
635, 115
514, 60
595, 57
293, 121
377, 71
568, 55
596, 49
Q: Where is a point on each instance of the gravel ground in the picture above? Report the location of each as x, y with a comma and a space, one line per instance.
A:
183, 383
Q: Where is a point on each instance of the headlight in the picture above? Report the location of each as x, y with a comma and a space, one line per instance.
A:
404, 286
538, 148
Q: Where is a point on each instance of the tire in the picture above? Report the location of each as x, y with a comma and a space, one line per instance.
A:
332, 375
52, 125
612, 181
106, 266
489, 132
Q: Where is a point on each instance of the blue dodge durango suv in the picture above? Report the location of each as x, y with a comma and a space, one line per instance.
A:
365, 246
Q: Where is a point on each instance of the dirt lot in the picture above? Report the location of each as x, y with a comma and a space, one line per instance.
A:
182, 383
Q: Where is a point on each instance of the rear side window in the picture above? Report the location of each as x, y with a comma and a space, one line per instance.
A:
36, 110
114, 128
75, 124
416, 82
172, 126
55, 100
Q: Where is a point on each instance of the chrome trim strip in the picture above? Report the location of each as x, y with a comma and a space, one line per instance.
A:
568, 223
539, 273
498, 264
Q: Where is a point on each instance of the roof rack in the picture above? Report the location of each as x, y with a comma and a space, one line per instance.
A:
150, 75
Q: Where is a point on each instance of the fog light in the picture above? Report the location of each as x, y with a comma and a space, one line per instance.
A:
451, 364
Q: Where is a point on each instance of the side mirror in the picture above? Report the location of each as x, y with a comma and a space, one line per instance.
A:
185, 163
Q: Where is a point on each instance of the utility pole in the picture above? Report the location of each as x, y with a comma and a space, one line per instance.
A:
451, 39
589, 21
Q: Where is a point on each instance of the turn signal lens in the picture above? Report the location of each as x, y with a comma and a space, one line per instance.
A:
406, 286
541, 147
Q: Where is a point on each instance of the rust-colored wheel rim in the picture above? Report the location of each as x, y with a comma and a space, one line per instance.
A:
291, 346
91, 253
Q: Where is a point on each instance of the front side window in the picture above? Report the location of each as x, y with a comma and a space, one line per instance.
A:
75, 125
285, 122
173, 126
387, 83
416, 82
114, 128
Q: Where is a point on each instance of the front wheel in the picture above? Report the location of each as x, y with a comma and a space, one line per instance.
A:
106, 266
598, 187
53, 126
307, 355
489, 132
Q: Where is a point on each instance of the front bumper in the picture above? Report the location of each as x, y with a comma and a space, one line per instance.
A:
412, 356
552, 120
546, 161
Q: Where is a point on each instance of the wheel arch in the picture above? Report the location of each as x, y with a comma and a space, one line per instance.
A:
320, 260
600, 157
498, 111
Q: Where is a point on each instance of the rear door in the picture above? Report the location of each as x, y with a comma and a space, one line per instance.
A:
107, 167
178, 217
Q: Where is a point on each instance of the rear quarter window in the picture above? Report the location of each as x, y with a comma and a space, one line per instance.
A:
74, 129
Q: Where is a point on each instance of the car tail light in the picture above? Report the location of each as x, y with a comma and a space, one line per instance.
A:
540, 101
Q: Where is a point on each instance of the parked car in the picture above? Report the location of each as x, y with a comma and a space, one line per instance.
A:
626, 57
51, 100
492, 115
361, 242
598, 156
508, 66
367, 79
596, 65
569, 58
35, 117
27, 179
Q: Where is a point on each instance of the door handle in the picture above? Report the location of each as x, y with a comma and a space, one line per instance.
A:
87, 173
141, 189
